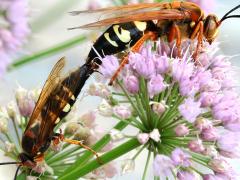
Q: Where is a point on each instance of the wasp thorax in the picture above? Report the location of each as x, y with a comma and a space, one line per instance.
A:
210, 28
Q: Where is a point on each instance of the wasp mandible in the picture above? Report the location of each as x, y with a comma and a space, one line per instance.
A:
54, 103
132, 25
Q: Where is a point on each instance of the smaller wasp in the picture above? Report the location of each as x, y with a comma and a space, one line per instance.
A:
132, 25
54, 103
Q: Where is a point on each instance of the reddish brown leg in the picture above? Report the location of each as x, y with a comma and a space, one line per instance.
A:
148, 35
198, 32
59, 137
39, 158
70, 141
175, 34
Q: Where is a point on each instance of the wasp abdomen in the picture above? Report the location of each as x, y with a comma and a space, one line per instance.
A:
119, 37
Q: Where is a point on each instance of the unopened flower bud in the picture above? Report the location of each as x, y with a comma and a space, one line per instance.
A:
11, 109
155, 135
3, 122
143, 138
116, 135
105, 109
128, 166
99, 89
202, 123
122, 111
9, 147
35, 94
158, 107
211, 151
209, 134
42, 167
25, 102
181, 130
132, 84
71, 128
196, 146
82, 134
220, 165
88, 119
20, 93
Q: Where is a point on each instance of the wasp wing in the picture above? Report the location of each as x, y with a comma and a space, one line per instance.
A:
62, 98
122, 9
49, 86
164, 14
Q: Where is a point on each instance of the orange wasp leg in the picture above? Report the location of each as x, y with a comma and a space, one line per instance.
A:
39, 158
70, 141
147, 36
175, 33
198, 32
59, 137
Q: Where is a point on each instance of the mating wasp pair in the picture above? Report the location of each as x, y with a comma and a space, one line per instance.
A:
130, 26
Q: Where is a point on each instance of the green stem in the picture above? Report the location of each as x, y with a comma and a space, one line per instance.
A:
50, 51
141, 108
82, 170
16, 131
10, 139
63, 155
145, 100
146, 166
132, 121
130, 100
139, 151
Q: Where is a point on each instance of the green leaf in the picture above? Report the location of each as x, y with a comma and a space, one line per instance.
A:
48, 52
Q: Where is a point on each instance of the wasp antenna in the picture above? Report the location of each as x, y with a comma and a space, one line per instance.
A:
5, 163
16, 173
226, 15
232, 16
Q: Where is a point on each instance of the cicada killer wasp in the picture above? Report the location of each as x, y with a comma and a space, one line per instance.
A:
132, 25
54, 103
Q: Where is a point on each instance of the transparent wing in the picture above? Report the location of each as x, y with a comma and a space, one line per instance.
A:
50, 84
169, 14
122, 9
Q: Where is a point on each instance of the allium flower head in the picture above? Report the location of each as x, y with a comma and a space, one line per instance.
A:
180, 109
14, 13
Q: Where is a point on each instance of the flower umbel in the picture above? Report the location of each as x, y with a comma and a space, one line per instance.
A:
14, 30
179, 108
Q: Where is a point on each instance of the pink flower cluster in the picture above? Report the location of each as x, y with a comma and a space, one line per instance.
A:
201, 97
15, 31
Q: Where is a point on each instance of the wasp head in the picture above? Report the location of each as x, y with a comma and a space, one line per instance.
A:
211, 24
